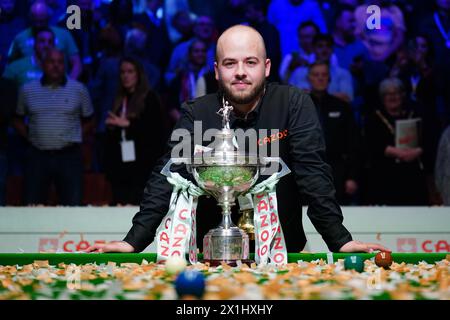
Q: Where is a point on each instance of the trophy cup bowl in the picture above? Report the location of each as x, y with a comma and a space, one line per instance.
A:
225, 175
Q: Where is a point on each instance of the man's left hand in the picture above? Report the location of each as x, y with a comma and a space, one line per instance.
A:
358, 246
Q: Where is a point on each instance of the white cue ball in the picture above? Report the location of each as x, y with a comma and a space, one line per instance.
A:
175, 264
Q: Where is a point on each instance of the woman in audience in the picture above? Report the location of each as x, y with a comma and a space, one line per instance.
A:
136, 134
396, 168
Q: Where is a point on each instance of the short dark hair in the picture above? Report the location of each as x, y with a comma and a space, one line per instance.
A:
341, 9
53, 50
193, 43
323, 37
308, 23
430, 53
318, 63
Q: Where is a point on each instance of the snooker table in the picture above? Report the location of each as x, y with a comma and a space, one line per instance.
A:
307, 276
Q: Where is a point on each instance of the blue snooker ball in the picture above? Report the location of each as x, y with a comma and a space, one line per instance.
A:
190, 282
354, 262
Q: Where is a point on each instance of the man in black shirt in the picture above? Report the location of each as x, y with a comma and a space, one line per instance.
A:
241, 68
340, 133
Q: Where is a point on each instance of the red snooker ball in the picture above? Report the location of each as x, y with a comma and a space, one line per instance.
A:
383, 259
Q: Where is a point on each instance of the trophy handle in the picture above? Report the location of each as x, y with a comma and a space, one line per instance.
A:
166, 169
284, 168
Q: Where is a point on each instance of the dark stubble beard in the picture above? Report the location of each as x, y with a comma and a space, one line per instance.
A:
246, 99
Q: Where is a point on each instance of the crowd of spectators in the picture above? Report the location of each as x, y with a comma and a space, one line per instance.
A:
103, 98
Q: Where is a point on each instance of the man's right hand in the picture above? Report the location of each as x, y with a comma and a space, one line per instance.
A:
113, 246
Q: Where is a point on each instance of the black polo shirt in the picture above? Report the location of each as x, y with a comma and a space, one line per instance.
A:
342, 140
302, 148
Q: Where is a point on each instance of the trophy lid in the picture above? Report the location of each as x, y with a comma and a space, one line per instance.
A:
226, 151
225, 170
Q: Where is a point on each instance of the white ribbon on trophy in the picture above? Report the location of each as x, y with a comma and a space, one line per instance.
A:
178, 228
270, 246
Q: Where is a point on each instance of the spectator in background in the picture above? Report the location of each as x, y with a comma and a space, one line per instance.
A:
347, 48
8, 92
23, 43
341, 84
104, 84
21, 72
213, 9
158, 41
233, 13
341, 135
306, 33
57, 9
121, 16
415, 68
184, 25
183, 87
330, 10
437, 27
29, 68
136, 116
168, 10
414, 12
204, 31
381, 43
86, 37
442, 168
10, 23
55, 107
396, 175
351, 54
135, 46
287, 15
255, 14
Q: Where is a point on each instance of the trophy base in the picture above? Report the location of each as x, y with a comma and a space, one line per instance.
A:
231, 263
228, 245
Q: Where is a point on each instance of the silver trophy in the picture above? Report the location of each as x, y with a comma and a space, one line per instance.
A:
225, 173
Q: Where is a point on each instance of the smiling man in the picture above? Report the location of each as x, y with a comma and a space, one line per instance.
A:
241, 68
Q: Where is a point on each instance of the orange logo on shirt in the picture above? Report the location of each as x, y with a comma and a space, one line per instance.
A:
273, 137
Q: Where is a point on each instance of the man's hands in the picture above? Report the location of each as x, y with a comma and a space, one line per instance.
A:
358, 246
113, 246
125, 247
